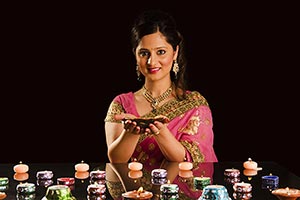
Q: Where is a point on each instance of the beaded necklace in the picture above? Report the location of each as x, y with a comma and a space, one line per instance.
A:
155, 101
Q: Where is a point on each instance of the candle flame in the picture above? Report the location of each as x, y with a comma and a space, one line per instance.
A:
140, 190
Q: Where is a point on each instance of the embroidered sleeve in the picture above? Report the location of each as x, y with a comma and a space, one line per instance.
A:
114, 108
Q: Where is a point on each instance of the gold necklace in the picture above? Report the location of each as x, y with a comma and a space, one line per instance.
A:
155, 101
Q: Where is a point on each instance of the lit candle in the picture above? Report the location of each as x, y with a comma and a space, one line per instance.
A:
250, 164
138, 194
82, 167
21, 168
135, 166
286, 193
185, 165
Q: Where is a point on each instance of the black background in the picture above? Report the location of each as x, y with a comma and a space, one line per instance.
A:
62, 64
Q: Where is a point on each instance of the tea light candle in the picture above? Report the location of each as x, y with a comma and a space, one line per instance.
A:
82, 167
185, 165
169, 188
135, 174
250, 164
242, 187
21, 168
138, 194
135, 166
287, 193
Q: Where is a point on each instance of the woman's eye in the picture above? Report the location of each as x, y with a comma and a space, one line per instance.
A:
161, 52
143, 53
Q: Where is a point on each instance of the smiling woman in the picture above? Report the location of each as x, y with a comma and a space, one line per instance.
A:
187, 134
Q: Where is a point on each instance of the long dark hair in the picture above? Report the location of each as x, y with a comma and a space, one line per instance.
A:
151, 21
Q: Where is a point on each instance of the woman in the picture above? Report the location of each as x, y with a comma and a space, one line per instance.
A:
187, 135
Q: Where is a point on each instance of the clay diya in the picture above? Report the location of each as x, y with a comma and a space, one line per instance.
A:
286, 193
138, 194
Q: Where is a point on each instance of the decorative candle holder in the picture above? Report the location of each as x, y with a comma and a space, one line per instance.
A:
159, 173
58, 192
286, 193
214, 192
201, 182
270, 182
25, 188
4, 184
44, 174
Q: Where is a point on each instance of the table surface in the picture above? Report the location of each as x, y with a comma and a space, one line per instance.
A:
118, 174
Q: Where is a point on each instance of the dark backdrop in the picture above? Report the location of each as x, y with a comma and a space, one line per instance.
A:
62, 64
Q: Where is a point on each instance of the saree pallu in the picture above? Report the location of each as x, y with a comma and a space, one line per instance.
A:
190, 122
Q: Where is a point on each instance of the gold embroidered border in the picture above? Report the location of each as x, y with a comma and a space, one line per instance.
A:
115, 189
194, 150
176, 108
114, 108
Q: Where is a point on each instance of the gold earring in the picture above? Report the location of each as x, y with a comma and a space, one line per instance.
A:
138, 73
175, 68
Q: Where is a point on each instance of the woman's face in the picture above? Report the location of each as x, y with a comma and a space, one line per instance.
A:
154, 56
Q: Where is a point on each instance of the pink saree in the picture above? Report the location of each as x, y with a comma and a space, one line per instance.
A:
190, 122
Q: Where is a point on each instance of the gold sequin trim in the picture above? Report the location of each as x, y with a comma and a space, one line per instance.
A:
194, 150
114, 108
